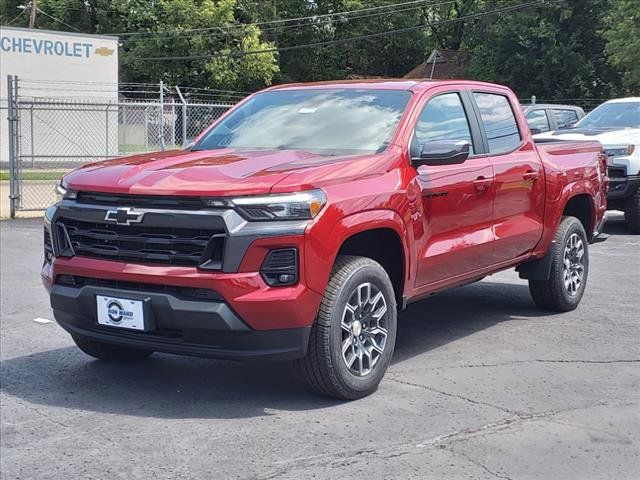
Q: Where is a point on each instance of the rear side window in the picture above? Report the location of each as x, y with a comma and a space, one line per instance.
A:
565, 118
499, 122
442, 119
538, 119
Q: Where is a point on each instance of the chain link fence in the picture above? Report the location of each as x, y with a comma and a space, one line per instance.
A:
45, 137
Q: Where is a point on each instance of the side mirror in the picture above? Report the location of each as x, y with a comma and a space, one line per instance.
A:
442, 153
535, 131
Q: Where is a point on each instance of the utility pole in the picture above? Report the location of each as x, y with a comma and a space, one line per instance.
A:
32, 15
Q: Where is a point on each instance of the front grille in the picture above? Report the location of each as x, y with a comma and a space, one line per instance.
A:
186, 293
164, 245
142, 201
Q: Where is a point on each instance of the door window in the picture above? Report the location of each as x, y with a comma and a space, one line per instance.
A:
538, 119
565, 118
442, 119
499, 122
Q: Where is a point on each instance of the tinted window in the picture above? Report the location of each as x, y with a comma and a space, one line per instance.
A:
538, 119
443, 118
332, 121
565, 118
499, 122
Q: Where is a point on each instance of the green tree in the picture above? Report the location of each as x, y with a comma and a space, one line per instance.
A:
554, 51
164, 28
623, 42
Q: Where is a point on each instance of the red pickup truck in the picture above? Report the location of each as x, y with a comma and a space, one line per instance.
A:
301, 222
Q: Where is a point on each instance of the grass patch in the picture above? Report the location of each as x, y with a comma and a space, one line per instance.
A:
34, 175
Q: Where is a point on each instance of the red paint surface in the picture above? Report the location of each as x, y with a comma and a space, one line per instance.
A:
497, 212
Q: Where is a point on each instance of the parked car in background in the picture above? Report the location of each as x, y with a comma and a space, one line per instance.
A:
545, 117
301, 221
615, 124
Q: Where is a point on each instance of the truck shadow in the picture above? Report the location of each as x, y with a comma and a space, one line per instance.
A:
166, 386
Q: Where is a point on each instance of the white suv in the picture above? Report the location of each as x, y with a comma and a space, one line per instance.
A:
616, 125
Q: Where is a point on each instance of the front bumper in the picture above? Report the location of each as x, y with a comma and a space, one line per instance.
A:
206, 328
237, 281
622, 184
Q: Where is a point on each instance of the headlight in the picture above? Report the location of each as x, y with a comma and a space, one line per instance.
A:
290, 206
620, 151
63, 192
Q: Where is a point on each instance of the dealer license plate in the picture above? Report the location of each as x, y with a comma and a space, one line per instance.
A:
120, 312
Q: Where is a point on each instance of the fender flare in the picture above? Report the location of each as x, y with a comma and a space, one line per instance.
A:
540, 268
360, 222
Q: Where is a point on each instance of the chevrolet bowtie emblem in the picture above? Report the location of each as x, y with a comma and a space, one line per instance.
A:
124, 216
104, 51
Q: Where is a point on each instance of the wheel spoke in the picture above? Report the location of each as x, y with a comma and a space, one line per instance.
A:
364, 294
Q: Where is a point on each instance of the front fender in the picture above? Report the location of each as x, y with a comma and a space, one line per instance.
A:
324, 239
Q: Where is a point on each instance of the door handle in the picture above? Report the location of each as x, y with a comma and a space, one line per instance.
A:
530, 176
482, 184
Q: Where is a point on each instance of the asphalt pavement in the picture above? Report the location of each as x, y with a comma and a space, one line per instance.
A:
483, 385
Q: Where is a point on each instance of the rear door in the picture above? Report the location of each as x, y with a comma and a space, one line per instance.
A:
518, 209
457, 199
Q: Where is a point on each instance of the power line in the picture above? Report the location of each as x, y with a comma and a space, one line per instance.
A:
349, 39
279, 21
16, 17
296, 25
58, 20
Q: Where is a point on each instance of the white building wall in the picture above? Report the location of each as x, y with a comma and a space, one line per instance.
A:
65, 66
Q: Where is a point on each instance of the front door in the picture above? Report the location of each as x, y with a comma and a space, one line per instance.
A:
457, 199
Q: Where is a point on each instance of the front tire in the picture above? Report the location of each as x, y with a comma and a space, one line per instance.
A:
564, 288
354, 335
632, 213
109, 352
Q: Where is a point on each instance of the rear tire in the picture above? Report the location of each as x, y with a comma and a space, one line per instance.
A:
353, 337
632, 213
109, 352
564, 288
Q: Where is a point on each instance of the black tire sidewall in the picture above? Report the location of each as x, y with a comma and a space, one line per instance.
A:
376, 275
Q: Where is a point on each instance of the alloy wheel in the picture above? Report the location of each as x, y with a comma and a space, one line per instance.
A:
573, 259
364, 329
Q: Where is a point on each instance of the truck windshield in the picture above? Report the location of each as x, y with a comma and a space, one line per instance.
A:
612, 115
329, 122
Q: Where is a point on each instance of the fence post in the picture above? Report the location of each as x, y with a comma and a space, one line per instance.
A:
161, 122
11, 118
184, 117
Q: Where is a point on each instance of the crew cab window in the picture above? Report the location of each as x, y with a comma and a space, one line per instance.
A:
499, 122
538, 119
443, 118
565, 118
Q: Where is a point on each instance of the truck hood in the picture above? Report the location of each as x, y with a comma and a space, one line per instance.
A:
618, 137
220, 172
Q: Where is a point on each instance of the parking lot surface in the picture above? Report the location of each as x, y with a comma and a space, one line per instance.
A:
483, 385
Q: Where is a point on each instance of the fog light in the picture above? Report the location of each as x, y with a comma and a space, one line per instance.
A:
280, 267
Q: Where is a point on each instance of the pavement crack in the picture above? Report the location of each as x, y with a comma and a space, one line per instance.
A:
454, 395
481, 465
38, 412
604, 362
538, 360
